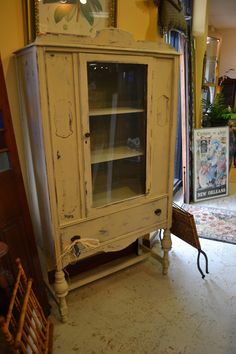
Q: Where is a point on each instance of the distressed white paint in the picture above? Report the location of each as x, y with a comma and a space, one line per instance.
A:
57, 129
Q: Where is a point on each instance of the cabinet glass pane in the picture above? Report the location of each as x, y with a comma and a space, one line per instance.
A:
117, 123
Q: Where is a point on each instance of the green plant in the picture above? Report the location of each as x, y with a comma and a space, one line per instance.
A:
217, 113
231, 115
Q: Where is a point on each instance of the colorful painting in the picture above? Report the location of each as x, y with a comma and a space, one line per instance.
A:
81, 17
211, 162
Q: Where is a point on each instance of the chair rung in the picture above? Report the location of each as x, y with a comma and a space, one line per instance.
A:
25, 327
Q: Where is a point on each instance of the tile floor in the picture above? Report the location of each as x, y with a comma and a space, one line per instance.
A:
138, 310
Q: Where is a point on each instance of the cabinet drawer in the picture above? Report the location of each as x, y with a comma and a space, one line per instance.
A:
144, 218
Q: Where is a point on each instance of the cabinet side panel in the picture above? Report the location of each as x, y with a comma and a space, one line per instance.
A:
62, 115
161, 127
34, 152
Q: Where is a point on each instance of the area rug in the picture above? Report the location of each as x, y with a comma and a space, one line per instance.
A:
214, 224
232, 176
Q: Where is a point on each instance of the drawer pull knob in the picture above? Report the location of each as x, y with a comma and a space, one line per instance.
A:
158, 212
74, 238
87, 135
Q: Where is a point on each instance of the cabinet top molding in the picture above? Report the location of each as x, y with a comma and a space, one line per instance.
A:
107, 38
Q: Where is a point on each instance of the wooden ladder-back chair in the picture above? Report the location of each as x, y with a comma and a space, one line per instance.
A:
25, 327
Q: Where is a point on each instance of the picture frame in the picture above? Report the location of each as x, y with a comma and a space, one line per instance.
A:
67, 17
211, 163
28, 9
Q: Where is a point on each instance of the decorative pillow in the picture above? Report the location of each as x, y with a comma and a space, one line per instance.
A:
171, 16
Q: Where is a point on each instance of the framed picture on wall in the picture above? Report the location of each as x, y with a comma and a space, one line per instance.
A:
211, 163
80, 17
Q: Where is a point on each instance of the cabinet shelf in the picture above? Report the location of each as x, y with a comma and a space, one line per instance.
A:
111, 111
114, 153
118, 193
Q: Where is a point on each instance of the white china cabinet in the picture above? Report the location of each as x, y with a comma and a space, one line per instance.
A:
99, 117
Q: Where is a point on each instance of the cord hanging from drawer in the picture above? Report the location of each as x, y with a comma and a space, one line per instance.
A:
78, 244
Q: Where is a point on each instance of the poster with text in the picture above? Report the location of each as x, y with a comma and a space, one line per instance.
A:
211, 162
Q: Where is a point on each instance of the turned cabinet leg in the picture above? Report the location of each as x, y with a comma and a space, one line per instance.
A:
166, 246
139, 246
61, 290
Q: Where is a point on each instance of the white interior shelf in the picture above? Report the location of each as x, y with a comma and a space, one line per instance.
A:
112, 111
117, 194
113, 153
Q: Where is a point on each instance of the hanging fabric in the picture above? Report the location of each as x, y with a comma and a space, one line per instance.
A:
171, 16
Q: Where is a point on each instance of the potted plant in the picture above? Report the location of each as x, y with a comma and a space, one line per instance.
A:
217, 114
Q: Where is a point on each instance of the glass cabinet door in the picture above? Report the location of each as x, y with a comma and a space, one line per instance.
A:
117, 95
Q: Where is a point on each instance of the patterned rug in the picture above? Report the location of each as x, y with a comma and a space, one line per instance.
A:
214, 224
232, 176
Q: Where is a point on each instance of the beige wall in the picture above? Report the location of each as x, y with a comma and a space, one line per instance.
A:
139, 18
200, 49
12, 38
228, 52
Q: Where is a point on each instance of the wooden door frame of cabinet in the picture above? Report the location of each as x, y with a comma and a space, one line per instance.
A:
124, 58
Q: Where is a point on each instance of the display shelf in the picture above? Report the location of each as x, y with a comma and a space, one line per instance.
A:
107, 269
111, 111
113, 153
118, 193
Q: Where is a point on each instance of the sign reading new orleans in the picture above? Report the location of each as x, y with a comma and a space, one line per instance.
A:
211, 162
